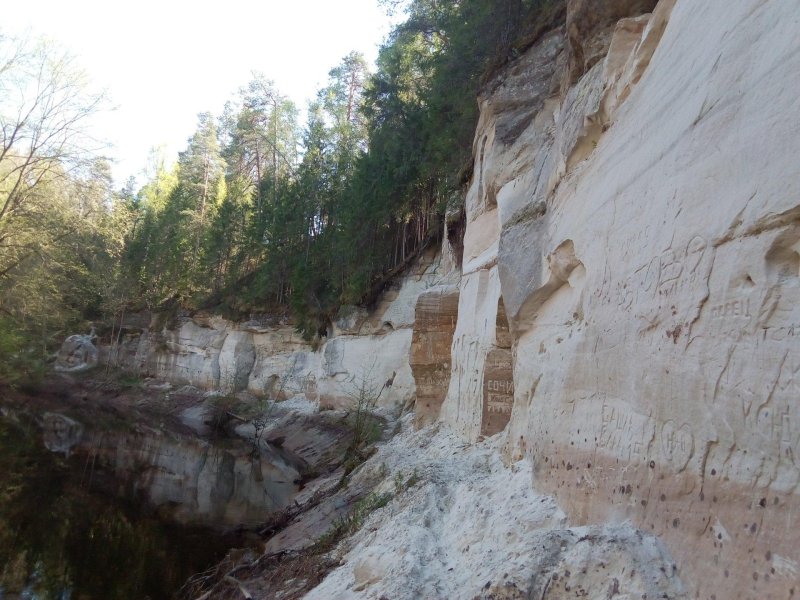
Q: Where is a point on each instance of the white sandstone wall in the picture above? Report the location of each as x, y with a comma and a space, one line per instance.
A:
646, 247
365, 350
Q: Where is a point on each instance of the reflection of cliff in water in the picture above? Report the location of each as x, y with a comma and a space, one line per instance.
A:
59, 539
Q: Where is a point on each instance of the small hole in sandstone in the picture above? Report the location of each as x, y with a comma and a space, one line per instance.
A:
588, 465
727, 573
652, 464
755, 576
663, 497
719, 536
762, 503
676, 522
702, 496
775, 500
713, 471
768, 555
753, 528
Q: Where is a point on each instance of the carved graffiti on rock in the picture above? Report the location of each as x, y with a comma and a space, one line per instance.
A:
732, 308
663, 276
498, 391
624, 432
677, 444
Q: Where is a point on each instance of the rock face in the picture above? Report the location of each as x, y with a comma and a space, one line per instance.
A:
435, 321
466, 527
640, 229
628, 310
199, 480
590, 25
364, 349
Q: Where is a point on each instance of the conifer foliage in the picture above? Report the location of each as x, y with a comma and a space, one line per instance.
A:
259, 215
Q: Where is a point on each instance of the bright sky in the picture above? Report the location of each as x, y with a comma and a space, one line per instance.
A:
164, 61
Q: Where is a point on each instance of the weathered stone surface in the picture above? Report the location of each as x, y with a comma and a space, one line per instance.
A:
236, 359
516, 115
78, 353
589, 27
648, 260
469, 527
603, 562
498, 379
515, 107
435, 321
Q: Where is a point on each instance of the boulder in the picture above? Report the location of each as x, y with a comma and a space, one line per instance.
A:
78, 353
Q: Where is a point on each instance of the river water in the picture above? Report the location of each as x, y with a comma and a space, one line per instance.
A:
60, 538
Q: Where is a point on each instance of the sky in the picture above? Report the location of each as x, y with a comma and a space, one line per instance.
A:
164, 61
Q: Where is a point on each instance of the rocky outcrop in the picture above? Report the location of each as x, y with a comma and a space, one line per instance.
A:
640, 231
77, 354
457, 524
625, 318
60, 433
590, 26
134, 449
267, 358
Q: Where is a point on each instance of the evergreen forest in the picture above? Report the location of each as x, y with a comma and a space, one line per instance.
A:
270, 208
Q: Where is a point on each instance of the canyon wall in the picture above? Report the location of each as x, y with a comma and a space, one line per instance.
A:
626, 311
365, 350
636, 219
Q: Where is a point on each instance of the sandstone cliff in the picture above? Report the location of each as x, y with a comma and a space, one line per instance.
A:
266, 357
626, 309
638, 228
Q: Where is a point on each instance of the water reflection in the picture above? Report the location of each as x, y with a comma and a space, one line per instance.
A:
60, 540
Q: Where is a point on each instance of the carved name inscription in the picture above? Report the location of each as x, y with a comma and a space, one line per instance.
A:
663, 276
755, 395
677, 444
430, 361
624, 432
733, 308
498, 391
